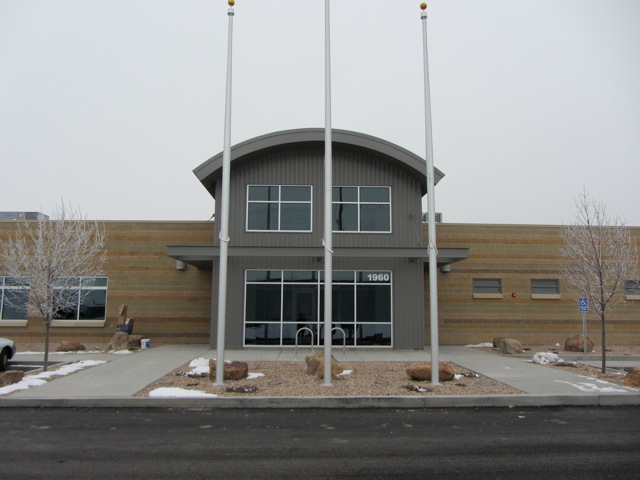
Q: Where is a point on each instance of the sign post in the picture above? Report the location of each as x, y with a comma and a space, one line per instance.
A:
583, 304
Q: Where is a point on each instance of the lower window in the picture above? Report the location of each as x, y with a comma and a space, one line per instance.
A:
545, 286
284, 305
86, 299
14, 299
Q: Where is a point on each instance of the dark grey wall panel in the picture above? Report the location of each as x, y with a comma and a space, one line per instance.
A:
304, 165
407, 284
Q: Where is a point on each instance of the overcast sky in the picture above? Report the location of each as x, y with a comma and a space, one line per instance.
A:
110, 104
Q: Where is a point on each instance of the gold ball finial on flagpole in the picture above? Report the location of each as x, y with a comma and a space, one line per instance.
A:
231, 3
423, 6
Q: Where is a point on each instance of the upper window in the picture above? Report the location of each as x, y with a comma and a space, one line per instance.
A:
87, 298
14, 299
279, 208
362, 209
545, 286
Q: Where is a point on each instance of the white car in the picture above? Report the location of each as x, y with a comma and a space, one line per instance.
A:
7, 351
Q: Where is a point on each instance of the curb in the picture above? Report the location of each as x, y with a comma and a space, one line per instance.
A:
502, 401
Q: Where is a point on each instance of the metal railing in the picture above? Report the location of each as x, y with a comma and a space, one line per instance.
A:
295, 357
344, 341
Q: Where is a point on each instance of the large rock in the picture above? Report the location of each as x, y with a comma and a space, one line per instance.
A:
496, 341
510, 346
120, 341
315, 365
422, 371
234, 370
633, 377
10, 377
70, 346
134, 342
575, 344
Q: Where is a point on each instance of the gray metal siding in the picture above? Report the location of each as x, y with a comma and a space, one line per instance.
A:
407, 293
305, 166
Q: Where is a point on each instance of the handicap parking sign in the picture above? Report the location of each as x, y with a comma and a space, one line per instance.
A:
583, 303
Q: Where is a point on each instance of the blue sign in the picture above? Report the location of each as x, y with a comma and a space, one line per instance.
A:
583, 303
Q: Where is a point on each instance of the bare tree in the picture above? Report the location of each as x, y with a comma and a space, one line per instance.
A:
48, 257
599, 255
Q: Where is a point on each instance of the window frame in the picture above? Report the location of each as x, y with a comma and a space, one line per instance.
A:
288, 280
632, 289
487, 288
359, 203
279, 203
12, 322
85, 284
541, 291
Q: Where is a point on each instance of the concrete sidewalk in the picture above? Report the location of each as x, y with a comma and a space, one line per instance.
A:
115, 382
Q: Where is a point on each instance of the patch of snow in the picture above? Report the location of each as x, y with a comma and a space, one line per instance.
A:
174, 392
120, 352
252, 376
200, 371
458, 377
481, 345
199, 362
199, 367
79, 352
67, 369
41, 378
25, 383
545, 358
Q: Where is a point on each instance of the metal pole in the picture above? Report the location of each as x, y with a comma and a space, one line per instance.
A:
431, 214
584, 332
328, 195
224, 215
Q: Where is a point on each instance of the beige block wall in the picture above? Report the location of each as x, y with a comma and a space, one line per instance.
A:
516, 254
173, 306
168, 305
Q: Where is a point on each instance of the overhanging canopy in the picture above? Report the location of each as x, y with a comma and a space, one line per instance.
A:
203, 256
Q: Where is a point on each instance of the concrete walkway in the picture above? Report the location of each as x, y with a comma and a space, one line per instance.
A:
115, 382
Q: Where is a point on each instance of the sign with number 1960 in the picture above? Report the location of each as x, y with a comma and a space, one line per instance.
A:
375, 277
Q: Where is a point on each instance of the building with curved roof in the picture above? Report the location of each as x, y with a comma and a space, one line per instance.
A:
493, 281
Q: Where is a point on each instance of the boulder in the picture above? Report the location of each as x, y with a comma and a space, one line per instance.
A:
315, 365
422, 371
234, 370
70, 346
134, 342
10, 377
510, 346
575, 344
496, 341
120, 341
633, 377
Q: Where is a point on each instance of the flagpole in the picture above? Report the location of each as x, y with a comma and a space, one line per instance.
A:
431, 214
224, 214
328, 195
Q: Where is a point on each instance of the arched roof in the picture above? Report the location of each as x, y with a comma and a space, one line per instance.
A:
404, 159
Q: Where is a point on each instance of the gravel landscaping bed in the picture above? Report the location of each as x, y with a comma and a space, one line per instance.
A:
290, 379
